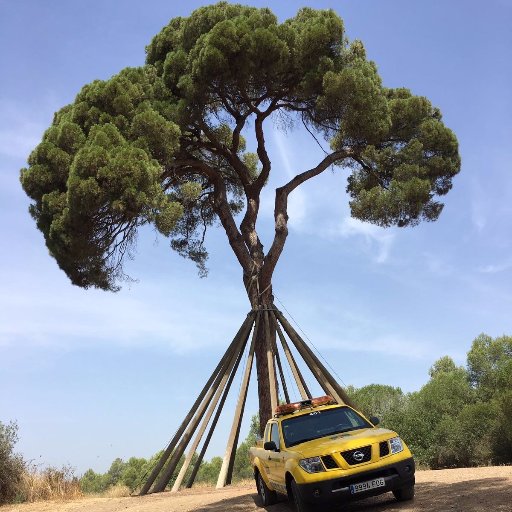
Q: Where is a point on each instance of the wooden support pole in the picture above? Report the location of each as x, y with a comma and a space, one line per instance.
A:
168, 471
297, 375
172, 444
325, 379
200, 457
223, 385
235, 427
270, 362
315, 369
273, 323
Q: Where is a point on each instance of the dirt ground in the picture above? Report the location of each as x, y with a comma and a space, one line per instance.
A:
455, 490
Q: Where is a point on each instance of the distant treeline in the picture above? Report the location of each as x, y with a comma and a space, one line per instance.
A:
133, 472
461, 417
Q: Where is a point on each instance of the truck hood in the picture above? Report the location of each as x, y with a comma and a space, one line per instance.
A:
341, 442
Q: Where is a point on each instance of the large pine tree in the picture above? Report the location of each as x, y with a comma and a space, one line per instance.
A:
164, 144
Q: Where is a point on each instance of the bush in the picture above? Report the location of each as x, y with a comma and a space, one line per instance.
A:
11, 464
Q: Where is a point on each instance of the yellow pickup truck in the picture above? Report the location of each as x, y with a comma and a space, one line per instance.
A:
317, 452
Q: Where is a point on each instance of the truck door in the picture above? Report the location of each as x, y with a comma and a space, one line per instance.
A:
276, 461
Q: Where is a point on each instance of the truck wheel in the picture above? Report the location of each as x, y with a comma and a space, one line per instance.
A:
405, 493
300, 504
267, 496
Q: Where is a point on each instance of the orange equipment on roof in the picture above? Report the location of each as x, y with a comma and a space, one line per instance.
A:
295, 406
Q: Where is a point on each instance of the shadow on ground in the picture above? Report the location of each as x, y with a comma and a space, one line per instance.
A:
487, 495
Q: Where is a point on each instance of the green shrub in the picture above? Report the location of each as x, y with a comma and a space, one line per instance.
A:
11, 464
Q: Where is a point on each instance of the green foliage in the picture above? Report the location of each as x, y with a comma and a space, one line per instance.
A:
242, 469
377, 400
467, 437
490, 365
11, 464
93, 483
209, 471
461, 417
443, 396
162, 144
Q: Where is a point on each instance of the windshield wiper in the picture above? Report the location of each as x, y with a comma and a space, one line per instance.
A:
304, 440
345, 430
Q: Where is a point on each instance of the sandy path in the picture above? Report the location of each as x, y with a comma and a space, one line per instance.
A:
452, 490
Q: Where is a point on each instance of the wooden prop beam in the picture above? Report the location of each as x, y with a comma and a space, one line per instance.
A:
223, 385
200, 457
311, 363
325, 379
172, 443
212, 398
167, 472
271, 367
235, 427
297, 375
273, 323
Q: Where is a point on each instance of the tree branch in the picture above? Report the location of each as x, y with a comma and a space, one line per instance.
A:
221, 207
281, 211
238, 166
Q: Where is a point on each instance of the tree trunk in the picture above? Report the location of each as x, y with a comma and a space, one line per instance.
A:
261, 301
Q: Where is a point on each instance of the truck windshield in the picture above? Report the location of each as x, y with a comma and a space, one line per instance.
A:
318, 424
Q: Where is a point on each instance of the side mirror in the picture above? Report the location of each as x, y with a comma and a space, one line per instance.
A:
271, 446
374, 420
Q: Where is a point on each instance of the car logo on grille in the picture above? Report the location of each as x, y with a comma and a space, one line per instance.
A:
358, 456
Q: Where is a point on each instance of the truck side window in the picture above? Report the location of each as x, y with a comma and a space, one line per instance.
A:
274, 435
266, 433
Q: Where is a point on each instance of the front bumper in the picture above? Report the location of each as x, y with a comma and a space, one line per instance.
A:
397, 475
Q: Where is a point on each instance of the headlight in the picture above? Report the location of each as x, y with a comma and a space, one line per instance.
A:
312, 465
396, 445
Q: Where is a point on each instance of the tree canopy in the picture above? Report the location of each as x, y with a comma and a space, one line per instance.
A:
165, 143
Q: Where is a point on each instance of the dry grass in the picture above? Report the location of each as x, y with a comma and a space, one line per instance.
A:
245, 482
117, 491
49, 484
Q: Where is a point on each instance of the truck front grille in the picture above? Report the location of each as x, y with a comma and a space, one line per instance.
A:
329, 462
384, 448
358, 456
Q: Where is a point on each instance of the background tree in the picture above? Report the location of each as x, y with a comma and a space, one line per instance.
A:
11, 464
447, 392
377, 400
165, 144
490, 373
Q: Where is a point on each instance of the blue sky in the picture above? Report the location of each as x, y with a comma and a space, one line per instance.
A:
90, 376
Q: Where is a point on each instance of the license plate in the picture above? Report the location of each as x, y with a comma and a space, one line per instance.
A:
367, 486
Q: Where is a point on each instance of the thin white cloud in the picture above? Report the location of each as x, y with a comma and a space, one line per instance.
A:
48, 312
496, 268
390, 345
377, 241
362, 339
437, 265
478, 206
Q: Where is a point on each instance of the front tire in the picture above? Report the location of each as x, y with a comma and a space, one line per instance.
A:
300, 504
267, 496
405, 493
